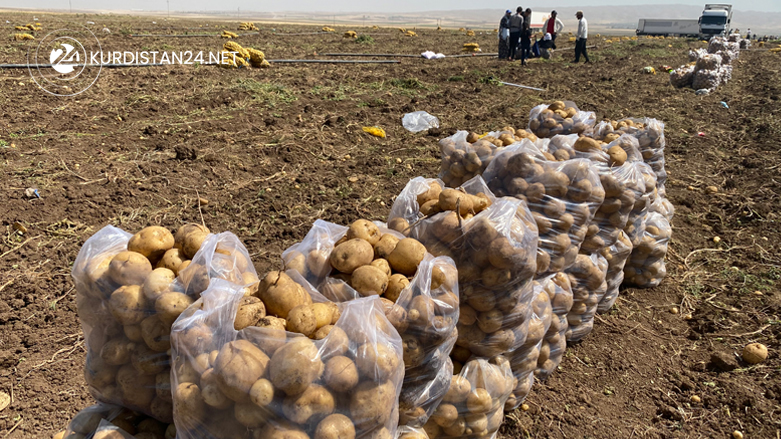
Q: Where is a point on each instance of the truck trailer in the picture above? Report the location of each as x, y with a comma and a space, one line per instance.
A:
668, 27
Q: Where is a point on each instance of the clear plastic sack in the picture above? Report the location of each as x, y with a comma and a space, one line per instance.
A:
588, 279
405, 432
616, 256
646, 267
711, 61
616, 164
643, 204
422, 305
474, 404
560, 117
562, 196
696, 54
418, 121
465, 155
706, 79
554, 344
650, 137
126, 308
264, 382
494, 248
664, 207
107, 421
682, 76
523, 361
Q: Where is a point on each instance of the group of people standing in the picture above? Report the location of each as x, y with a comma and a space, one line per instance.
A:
515, 35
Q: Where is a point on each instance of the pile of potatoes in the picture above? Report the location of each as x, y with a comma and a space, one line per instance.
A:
554, 344
465, 155
523, 361
560, 118
588, 279
645, 267
650, 136
616, 256
617, 166
266, 382
474, 404
562, 196
420, 294
129, 295
104, 421
493, 242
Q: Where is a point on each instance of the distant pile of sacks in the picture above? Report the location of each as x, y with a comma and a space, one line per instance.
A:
248, 26
235, 56
710, 68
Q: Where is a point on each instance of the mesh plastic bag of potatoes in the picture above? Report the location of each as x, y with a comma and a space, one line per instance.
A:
474, 405
650, 137
493, 242
562, 196
106, 421
682, 76
588, 279
560, 117
616, 256
554, 344
523, 361
126, 307
264, 382
465, 155
616, 164
645, 267
419, 291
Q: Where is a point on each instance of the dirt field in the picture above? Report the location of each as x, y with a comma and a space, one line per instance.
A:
273, 150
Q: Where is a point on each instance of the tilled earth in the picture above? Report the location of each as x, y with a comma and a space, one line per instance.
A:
273, 150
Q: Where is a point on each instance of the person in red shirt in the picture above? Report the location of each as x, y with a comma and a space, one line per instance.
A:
553, 26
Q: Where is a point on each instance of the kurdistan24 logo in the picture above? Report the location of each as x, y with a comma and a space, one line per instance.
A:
60, 59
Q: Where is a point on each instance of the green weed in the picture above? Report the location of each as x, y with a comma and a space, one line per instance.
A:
271, 94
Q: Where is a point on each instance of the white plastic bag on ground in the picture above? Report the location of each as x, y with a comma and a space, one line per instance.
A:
418, 121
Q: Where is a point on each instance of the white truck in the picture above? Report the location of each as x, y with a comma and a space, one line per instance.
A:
715, 20
668, 27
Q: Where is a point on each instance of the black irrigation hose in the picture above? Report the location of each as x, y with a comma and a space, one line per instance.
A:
378, 55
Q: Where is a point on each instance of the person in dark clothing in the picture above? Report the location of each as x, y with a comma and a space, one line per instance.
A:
516, 25
526, 36
504, 35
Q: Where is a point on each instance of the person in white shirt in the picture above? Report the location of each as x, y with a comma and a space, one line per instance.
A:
553, 26
582, 36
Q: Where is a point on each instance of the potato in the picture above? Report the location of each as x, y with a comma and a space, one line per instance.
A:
336, 426
251, 310
294, 366
163, 385
617, 155
189, 238
385, 245
238, 366
170, 305
172, 259
407, 255
108, 434
251, 416
280, 293
400, 225
133, 332
280, 430
479, 401
396, 284
364, 229
369, 280
128, 304
158, 282
261, 393
383, 265
152, 242
453, 199
459, 390
336, 341
156, 334
445, 415
315, 401
351, 254
137, 390
116, 351
302, 319
129, 268
369, 404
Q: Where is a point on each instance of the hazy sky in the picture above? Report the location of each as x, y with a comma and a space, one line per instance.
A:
362, 6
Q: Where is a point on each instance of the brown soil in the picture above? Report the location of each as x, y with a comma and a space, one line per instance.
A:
272, 150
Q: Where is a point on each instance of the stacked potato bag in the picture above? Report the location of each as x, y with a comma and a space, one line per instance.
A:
474, 404
465, 155
265, 382
493, 242
650, 137
126, 307
588, 277
419, 292
560, 117
645, 267
554, 344
616, 256
562, 196
709, 68
106, 421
